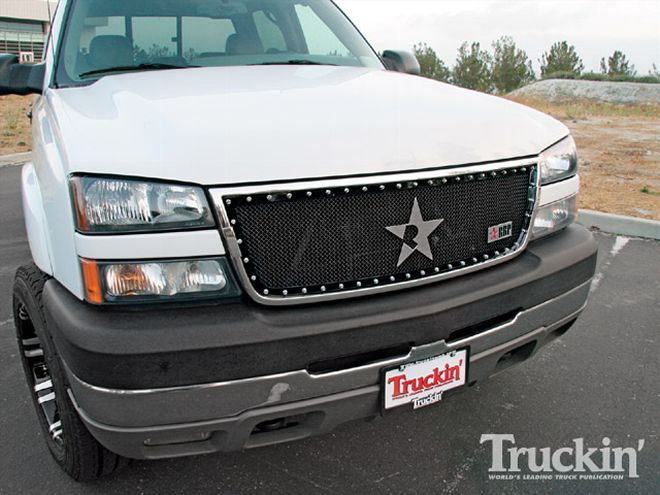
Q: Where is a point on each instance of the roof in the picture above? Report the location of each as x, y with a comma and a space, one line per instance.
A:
34, 10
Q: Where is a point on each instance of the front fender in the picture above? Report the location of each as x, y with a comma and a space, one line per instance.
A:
35, 220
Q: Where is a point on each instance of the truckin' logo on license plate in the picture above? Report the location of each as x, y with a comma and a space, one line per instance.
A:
501, 231
423, 382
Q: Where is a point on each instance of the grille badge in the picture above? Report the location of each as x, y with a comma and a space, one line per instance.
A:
420, 242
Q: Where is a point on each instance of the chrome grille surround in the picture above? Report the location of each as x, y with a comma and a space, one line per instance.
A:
296, 190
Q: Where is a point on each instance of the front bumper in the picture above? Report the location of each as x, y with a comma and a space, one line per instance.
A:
154, 384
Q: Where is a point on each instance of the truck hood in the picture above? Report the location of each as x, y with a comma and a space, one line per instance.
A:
220, 126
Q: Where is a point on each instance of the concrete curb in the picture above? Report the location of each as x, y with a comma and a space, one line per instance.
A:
619, 224
16, 159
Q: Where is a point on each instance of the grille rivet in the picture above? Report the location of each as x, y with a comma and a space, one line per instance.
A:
253, 278
513, 171
249, 199
470, 177
504, 172
497, 253
239, 241
376, 281
347, 190
524, 169
408, 276
289, 195
493, 174
450, 266
458, 179
246, 260
415, 184
359, 284
233, 222
486, 257
304, 291
382, 187
399, 186
436, 269
309, 194
507, 250
228, 201
392, 278
341, 286
323, 289
474, 260
463, 263
266, 292
269, 197
444, 181
482, 176
328, 192
430, 182
285, 292
365, 189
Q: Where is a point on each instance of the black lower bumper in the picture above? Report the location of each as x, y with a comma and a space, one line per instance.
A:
171, 347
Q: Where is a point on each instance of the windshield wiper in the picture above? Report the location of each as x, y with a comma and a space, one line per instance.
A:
134, 68
293, 62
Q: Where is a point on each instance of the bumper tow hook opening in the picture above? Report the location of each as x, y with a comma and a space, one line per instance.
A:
273, 425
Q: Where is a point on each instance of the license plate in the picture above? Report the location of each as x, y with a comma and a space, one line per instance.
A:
422, 383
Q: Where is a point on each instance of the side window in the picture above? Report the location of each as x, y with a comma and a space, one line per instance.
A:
270, 33
203, 36
153, 37
319, 37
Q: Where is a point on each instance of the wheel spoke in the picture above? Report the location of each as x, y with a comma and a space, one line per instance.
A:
42, 383
45, 385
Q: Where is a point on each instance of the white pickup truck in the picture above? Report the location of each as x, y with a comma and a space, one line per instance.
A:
248, 228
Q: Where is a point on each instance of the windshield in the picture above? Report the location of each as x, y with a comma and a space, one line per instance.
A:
104, 37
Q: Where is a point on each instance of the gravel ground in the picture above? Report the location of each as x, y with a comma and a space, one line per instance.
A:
556, 90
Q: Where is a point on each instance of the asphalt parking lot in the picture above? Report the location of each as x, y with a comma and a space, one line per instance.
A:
602, 379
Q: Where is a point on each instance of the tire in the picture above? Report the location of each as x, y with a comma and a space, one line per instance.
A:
72, 446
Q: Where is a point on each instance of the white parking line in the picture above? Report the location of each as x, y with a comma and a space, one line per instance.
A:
619, 243
6, 322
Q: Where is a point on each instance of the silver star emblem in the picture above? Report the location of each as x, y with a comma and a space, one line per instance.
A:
421, 240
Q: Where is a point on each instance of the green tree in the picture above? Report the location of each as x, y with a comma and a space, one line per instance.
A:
432, 66
617, 65
511, 67
472, 68
561, 57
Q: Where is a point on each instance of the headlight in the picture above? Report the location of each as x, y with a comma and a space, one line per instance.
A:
125, 205
157, 281
559, 162
554, 217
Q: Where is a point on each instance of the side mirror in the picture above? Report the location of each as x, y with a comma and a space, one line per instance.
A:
399, 61
19, 79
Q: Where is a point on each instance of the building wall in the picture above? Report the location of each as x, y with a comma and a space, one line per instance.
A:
35, 10
24, 26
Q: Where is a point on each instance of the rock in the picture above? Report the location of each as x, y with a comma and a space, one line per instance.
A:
558, 90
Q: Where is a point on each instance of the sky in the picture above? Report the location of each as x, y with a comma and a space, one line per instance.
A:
595, 27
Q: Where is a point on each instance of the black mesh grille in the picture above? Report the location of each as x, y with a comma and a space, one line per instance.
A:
308, 242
